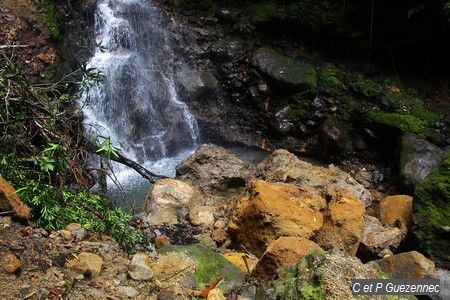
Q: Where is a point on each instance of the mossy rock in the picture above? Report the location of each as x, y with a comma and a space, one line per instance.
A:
363, 86
303, 281
406, 123
324, 275
210, 265
330, 79
285, 70
432, 213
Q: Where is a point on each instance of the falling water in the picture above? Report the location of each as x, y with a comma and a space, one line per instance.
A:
137, 105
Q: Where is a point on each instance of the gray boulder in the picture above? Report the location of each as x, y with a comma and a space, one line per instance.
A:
213, 167
418, 158
197, 83
283, 69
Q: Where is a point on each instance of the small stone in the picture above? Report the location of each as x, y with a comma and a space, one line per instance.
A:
6, 221
219, 235
66, 235
96, 294
202, 216
121, 278
26, 231
140, 267
80, 234
73, 226
219, 224
161, 240
86, 263
10, 263
128, 291
216, 294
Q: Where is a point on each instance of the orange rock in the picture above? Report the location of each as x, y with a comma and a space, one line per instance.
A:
9, 200
396, 211
161, 240
244, 261
48, 57
343, 225
73, 226
407, 265
86, 263
219, 235
283, 252
274, 210
10, 263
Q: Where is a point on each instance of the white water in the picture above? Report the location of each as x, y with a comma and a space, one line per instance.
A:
137, 105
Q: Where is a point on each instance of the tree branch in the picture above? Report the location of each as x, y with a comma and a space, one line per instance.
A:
137, 167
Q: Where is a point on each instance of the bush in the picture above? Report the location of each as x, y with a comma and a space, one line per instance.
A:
55, 207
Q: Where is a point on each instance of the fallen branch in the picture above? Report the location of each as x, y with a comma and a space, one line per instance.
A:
13, 46
137, 167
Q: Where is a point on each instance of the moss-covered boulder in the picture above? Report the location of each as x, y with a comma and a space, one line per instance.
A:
283, 69
432, 213
325, 276
418, 158
209, 266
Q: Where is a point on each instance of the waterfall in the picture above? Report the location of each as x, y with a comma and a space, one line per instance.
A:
137, 105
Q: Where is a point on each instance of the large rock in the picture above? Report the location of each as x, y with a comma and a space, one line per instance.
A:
140, 267
444, 277
213, 167
432, 213
283, 252
197, 83
418, 158
208, 267
283, 69
167, 197
343, 224
274, 210
10, 201
285, 166
322, 275
376, 238
407, 265
396, 211
87, 264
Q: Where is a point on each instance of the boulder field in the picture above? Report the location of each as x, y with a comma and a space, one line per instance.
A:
225, 228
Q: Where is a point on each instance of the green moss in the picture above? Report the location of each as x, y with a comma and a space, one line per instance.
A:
330, 79
406, 123
363, 86
302, 281
209, 266
264, 11
406, 104
50, 13
432, 211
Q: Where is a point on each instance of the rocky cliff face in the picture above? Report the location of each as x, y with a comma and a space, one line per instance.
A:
267, 92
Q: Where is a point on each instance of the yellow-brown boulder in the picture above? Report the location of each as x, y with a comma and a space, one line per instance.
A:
274, 210
283, 252
343, 224
396, 211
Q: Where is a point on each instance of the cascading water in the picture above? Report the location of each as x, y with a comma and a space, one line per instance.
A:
137, 105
